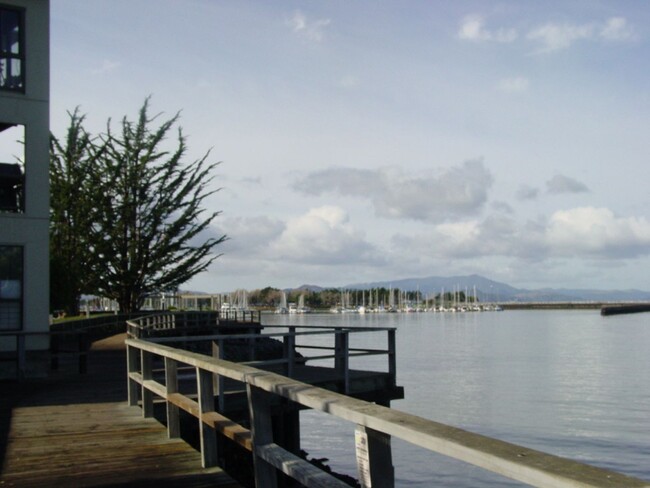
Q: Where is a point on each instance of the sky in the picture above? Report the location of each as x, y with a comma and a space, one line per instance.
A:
379, 140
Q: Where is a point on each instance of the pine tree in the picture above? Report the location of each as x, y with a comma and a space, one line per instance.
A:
144, 227
71, 163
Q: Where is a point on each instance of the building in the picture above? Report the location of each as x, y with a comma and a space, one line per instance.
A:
24, 182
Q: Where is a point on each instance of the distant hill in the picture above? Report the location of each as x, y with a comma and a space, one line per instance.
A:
486, 289
490, 290
313, 288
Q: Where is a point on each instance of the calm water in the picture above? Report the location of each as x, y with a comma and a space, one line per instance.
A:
571, 383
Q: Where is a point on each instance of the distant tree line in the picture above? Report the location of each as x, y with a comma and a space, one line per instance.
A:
270, 297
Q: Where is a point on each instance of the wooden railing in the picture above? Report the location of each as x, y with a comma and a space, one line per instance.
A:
375, 425
63, 341
240, 315
339, 353
60, 344
152, 325
18, 355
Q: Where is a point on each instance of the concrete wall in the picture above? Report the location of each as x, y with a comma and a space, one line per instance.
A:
30, 229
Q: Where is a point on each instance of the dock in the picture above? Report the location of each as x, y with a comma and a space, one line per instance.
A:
79, 431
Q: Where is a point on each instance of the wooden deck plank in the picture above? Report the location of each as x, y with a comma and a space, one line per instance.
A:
79, 431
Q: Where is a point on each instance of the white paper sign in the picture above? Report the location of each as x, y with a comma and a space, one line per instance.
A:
363, 459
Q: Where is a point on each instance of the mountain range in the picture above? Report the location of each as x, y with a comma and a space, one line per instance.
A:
489, 290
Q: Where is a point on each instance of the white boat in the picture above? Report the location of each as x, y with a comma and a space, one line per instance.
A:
301, 305
282, 308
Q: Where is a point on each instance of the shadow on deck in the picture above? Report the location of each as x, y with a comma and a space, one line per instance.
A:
79, 431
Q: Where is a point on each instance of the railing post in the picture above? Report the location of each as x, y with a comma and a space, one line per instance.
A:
392, 357
54, 352
290, 351
259, 407
83, 352
21, 354
131, 367
171, 384
206, 404
147, 374
374, 458
338, 360
218, 381
251, 348
342, 357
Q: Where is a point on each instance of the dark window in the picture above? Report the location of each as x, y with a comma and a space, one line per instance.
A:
12, 49
12, 168
11, 287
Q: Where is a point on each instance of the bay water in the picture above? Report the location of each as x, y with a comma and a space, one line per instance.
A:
567, 382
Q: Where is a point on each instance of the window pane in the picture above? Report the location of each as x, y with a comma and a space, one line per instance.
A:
9, 31
11, 287
11, 50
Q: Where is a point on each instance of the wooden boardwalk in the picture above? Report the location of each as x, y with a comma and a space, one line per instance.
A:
78, 431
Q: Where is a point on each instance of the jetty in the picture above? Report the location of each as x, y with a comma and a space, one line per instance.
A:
625, 309
175, 397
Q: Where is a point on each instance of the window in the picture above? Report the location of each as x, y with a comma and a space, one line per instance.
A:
11, 287
12, 168
12, 50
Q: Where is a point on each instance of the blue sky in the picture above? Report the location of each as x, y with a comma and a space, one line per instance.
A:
379, 140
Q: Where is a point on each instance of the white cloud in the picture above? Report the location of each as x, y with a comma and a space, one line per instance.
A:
597, 231
560, 36
314, 30
472, 29
459, 191
249, 236
563, 184
517, 84
583, 233
495, 236
616, 29
106, 67
555, 36
552, 36
323, 235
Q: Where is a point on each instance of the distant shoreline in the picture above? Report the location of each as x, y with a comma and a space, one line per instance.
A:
542, 306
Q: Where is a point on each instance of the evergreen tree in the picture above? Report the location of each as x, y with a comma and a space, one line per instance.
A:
130, 211
71, 163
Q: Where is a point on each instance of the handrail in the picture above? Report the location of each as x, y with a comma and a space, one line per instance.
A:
375, 425
341, 351
83, 332
20, 358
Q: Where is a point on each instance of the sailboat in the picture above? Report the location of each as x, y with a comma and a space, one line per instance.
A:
282, 308
301, 305
362, 308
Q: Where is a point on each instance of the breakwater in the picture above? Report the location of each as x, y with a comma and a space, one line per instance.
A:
552, 306
606, 308
626, 308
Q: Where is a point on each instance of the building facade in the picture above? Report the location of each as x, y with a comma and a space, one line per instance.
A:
24, 181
